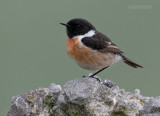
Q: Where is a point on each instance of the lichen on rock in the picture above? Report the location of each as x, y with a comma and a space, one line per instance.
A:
84, 97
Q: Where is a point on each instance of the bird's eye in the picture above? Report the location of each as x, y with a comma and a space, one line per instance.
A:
78, 26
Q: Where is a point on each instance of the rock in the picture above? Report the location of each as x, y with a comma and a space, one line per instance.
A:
84, 97
20, 106
79, 91
151, 106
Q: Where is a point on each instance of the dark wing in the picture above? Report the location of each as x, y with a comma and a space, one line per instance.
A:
101, 43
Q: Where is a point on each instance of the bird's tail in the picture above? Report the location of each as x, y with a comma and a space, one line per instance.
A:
130, 63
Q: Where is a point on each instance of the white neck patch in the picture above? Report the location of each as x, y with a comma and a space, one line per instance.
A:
88, 34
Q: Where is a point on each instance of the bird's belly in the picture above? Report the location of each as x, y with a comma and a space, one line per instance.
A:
86, 57
96, 61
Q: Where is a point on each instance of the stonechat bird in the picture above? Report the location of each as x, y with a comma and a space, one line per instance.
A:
91, 49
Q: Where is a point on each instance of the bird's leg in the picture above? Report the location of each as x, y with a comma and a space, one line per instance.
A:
98, 72
95, 77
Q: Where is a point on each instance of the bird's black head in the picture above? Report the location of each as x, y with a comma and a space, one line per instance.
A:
77, 27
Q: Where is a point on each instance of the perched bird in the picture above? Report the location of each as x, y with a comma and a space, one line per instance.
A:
91, 49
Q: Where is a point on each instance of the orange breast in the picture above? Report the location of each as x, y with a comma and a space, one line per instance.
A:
83, 54
77, 51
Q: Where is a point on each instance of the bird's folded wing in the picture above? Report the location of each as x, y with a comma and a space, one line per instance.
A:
101, 43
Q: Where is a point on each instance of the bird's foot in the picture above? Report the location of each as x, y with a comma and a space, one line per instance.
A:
96, 77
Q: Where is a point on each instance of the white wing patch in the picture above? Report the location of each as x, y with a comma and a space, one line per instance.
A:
111, 46
109, 43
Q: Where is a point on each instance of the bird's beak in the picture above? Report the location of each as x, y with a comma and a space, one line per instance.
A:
65, 24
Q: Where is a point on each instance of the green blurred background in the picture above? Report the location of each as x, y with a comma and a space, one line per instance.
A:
33, 43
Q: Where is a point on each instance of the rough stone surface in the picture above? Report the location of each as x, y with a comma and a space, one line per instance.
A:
84, 97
